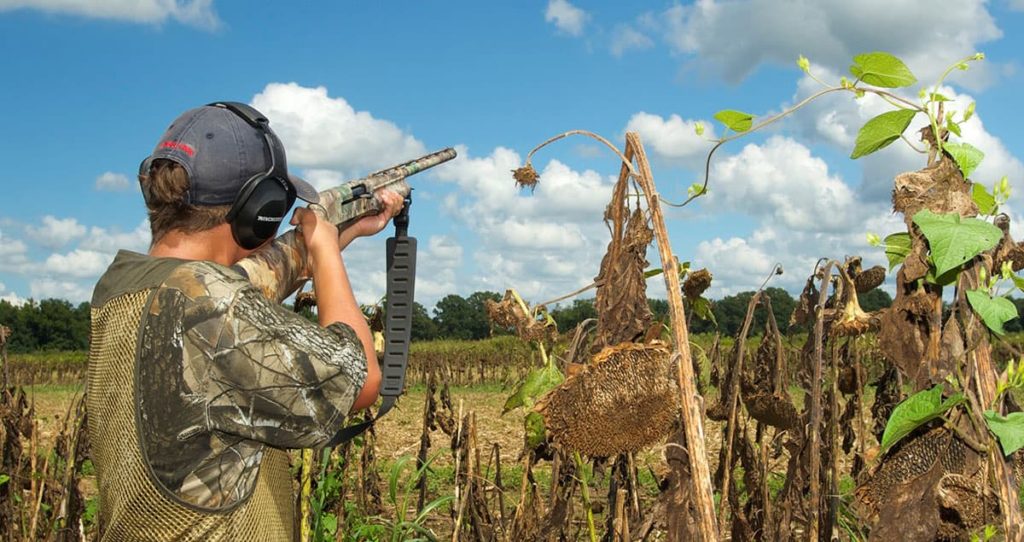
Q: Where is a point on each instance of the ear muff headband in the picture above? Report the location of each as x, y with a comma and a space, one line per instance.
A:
261, 204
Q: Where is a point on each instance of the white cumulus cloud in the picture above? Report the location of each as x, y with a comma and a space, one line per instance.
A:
673, 139
732, 38
73, 291
626, 38
198, 13
56, 232
11, 297
566, 17
327, 133
78, 263
543, 244
110, 240
112, 182
782, 182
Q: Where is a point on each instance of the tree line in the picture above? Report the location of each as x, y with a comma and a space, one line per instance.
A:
55, 324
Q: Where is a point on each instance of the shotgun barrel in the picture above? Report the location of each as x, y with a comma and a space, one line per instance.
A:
279, 268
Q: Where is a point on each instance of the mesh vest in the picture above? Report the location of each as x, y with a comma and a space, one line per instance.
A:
132, 504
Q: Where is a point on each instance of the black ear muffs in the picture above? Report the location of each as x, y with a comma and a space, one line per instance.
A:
258, 210
263, 201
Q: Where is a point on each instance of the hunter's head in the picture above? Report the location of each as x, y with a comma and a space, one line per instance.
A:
216, 164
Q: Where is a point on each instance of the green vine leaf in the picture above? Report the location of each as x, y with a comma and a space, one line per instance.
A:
986, 202
882, 130
736, 121
966, 156
897, 248
535, 431
882, 70
1018, 282
954, 239
1010, 430
702, 308
994, 311
537, 383
953, 127
917, 410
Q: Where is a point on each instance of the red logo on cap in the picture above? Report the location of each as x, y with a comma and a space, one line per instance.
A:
184, 147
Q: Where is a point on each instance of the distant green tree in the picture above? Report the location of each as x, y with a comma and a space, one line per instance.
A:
567, 318
424, 328
464, 318
659, 309
50, 324
874, 300
731, 310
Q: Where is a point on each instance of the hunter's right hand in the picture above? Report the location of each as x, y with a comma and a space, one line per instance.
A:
319, 235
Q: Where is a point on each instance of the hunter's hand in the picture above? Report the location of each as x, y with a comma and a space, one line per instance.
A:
371, 225
319, 235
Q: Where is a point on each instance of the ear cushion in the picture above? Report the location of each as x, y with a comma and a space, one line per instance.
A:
259, 210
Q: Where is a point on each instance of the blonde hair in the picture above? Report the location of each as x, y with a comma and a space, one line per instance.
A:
164, 187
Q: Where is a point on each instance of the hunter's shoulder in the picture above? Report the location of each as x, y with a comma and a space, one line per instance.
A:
201, 278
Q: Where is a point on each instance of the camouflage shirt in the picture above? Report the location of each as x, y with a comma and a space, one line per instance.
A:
222, 372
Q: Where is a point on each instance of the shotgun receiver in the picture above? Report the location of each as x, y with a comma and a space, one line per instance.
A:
279, 269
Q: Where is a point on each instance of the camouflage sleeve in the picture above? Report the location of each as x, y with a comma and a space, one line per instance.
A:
267, 373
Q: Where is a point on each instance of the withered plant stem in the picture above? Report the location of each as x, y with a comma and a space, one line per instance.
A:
833, 431
625, 161
734, 400
814, 492
692, 411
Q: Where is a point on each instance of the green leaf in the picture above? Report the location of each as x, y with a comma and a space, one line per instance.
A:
953, 127
534, 424
966, 156
438, 502
986, 202
954, 239
653, 272
393, 477
946, 279
684, 268
1018, 282
736, 121
702, 308
537, 383
882, 130
4, 479
1010, 430
969, 112
329, 523
915, 411
897, 248
936, 97
994, 311
882, 70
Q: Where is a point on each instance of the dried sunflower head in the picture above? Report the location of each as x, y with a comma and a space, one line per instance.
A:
627, 399
526, 176
696, 283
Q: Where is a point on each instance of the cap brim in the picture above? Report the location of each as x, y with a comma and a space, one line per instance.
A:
303, 190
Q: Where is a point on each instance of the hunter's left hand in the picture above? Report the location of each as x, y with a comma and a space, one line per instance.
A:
371, 225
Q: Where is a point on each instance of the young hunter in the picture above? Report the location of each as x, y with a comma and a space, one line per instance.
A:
197, 384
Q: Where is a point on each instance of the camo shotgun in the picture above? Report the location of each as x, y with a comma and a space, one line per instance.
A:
279, 269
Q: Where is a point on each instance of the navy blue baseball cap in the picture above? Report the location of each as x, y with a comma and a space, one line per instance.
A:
220, 150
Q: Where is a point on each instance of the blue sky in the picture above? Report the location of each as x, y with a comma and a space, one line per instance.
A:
353, 87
